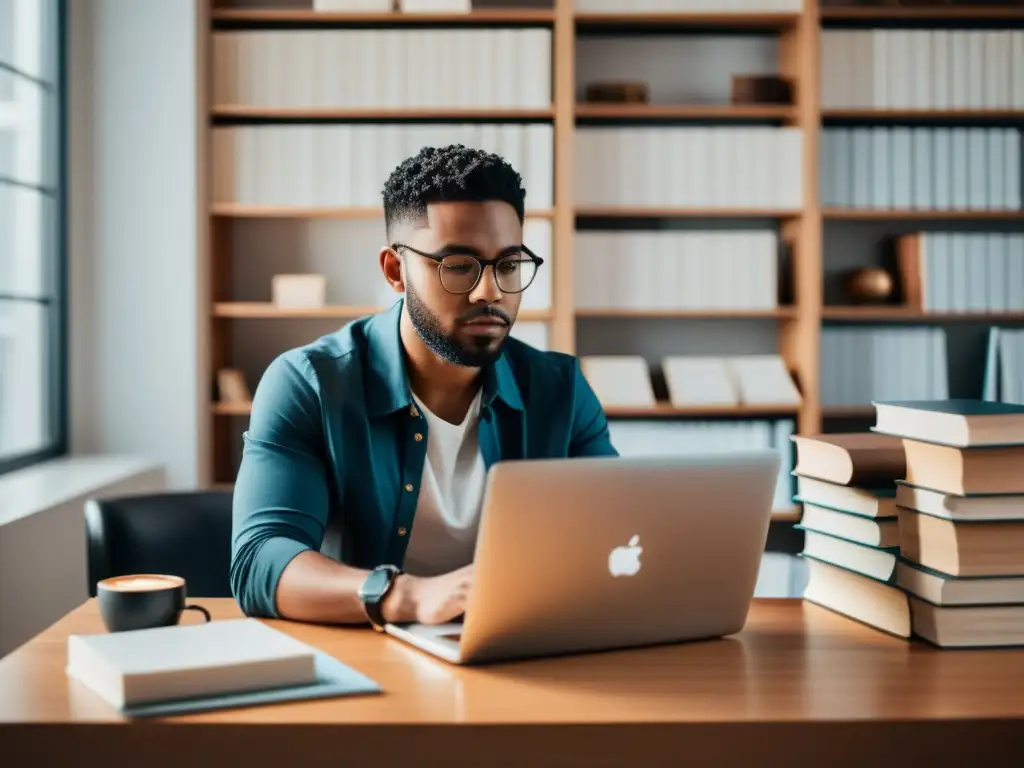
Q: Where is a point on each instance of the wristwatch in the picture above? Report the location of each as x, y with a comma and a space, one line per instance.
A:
374, 589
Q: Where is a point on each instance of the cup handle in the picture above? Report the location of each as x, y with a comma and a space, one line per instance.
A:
199, 608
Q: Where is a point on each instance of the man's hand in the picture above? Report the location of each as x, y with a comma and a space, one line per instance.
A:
433, 600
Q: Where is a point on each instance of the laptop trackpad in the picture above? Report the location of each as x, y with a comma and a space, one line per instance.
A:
445, 632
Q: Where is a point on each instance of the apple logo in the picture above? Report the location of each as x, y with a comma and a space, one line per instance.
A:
625, 561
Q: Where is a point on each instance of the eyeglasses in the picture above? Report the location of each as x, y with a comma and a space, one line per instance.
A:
460, 271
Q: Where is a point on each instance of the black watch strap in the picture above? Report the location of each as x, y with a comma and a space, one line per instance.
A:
375, 589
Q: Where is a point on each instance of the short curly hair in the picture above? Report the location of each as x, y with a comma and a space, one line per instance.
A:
454, 172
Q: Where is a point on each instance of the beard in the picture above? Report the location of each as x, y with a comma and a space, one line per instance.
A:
477, 352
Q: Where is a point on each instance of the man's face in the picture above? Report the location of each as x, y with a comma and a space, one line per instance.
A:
463, 328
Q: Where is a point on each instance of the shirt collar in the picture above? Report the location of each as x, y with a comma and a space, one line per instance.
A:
388, 385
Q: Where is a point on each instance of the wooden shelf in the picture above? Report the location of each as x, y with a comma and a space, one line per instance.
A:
310, 17
897, 313
758, 21
659, 411
856, 214
254, 310
239, 211
922, 14
614, 212
685, 111
371, 114
266, 310
697, 314
668, 411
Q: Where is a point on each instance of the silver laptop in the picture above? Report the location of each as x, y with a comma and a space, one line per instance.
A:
593, 554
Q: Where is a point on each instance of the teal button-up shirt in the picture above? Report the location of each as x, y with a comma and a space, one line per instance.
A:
331, 459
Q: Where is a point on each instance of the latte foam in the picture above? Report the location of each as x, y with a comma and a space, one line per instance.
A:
141, 583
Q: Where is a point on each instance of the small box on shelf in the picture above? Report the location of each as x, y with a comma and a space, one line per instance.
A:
232, 388
761, 89
618, 92
299, 291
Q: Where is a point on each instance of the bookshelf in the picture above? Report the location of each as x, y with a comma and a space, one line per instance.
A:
562, 133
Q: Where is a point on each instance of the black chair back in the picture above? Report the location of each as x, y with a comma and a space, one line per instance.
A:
185, 534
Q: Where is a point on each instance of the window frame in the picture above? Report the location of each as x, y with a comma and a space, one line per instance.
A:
57, 346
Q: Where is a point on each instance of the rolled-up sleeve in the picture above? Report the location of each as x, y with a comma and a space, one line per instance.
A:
590, 435
280, 502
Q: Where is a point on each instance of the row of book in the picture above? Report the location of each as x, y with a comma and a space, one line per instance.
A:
695, 270
347, 164
383, 68
922, 168
917, 527
859, 364
925, 69
661, 438
692, 380
700, 167
963, 271
750, 167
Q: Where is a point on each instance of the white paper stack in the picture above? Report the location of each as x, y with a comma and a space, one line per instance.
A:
696, 380
764, 380
619, 379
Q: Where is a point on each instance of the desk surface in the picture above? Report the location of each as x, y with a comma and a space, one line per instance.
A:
796, 678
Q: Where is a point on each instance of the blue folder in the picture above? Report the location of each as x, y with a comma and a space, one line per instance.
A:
333, 679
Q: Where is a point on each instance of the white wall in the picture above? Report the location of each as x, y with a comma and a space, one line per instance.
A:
135, 286
42, 532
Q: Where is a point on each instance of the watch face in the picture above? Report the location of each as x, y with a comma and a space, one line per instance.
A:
375, 585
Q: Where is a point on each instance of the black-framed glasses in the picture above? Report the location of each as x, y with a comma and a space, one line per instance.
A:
460, 270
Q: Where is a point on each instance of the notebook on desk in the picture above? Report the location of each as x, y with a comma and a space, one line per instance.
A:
194, 668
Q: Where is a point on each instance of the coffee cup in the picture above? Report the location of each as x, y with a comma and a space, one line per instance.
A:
142, 601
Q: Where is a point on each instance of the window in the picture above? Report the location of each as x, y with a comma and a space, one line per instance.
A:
32, 213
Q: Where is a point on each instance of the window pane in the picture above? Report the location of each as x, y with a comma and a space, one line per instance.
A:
32, 260
6, 40
26, 423
27, 35
24, 130
6, 45
28, 230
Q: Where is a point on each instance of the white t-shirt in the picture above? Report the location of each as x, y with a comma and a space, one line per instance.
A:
451, 491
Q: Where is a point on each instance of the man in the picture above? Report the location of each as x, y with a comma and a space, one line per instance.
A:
363, 468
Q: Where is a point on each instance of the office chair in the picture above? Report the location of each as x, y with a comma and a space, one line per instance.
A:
185, 534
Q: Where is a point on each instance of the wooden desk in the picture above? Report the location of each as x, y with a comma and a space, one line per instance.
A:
798, 685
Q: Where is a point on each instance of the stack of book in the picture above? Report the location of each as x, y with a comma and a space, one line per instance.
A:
960, 509
846, 483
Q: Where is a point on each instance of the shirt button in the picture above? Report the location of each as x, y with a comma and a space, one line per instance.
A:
402, 531
417, 437
408, 487
413, 412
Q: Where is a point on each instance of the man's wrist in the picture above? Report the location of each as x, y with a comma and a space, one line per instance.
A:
399, 605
